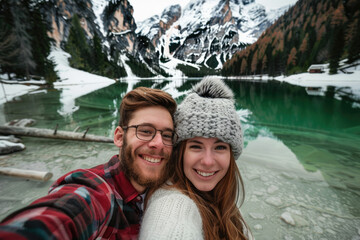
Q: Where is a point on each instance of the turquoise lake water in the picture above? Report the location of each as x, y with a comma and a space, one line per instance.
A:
301, 158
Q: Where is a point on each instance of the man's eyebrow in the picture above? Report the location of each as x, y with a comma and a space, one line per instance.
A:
149, 124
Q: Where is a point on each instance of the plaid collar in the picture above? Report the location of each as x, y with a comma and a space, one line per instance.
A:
121, 183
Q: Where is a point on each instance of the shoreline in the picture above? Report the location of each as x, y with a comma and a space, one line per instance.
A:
79, 79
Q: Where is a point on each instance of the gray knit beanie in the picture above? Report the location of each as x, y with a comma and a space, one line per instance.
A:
209, 111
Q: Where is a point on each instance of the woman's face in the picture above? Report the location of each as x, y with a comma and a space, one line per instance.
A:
206, 161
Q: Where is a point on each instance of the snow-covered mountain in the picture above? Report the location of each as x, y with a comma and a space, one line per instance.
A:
207, 31
111, 20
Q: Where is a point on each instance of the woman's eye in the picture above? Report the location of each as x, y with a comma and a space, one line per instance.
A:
221, 147
194, 146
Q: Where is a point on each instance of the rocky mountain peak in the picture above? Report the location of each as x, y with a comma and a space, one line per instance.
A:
206, 31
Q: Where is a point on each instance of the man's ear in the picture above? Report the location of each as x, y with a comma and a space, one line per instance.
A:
118, 136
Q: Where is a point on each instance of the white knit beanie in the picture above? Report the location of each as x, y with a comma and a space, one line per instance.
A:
209, 111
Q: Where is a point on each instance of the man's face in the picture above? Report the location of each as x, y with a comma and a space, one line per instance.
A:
145, 161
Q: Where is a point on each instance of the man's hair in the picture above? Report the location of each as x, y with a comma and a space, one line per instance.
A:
144, 97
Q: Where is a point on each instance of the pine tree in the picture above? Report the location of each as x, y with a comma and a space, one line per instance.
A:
291, 61
354, 39
243, 66
264, 64
8, 48
41, 46
337, 39
77, 46
254, 62
98, 57
26, 64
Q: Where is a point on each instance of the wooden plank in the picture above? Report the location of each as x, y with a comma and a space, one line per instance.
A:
28, 174
48, 133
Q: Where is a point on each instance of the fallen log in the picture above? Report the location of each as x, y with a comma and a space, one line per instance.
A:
28, 174
48, 133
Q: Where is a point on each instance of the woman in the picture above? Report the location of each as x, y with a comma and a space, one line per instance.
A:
199, 201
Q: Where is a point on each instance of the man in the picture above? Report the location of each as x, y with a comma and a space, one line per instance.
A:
105, 202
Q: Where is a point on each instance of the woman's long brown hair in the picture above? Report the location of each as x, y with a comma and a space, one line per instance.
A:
218, 208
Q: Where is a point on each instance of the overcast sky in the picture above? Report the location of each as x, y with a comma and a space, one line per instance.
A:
144, 8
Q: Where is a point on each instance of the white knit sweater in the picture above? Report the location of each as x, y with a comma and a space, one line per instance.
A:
171, 215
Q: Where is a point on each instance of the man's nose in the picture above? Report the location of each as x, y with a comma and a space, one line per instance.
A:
157, 140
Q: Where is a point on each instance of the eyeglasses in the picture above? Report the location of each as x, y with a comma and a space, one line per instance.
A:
147, 133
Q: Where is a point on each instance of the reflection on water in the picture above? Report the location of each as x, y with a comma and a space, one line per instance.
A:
281, 104
301, 156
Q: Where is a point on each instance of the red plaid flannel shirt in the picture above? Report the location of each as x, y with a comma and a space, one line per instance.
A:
96, 203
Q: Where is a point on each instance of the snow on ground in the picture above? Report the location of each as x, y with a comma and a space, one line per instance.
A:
10, 91
320, 79
74, 83
344, 82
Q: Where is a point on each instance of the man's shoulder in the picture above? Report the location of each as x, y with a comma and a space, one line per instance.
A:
98, 173
92, 177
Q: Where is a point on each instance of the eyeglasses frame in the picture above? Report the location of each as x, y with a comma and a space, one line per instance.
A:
156, 130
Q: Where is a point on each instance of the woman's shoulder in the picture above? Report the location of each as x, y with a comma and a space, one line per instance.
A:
171, 195
168, 191
170, 214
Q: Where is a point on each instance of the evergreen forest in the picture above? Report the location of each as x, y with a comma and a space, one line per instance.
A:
25, 45
311, 32
90, 56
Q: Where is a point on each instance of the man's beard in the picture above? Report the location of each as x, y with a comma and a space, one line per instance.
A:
132, 171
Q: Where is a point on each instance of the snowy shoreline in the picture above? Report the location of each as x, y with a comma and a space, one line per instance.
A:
83, 82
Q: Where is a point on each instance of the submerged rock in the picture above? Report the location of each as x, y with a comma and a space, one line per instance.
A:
318, 229
10, 138
272, 189
286, 217
9, 147
258, 193
275, 201
299, 221
288, 175
337, 185
25, 122
257, 215
353, 185
258, 227
287, 237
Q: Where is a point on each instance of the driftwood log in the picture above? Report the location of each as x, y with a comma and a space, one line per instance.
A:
28, 174
47, 133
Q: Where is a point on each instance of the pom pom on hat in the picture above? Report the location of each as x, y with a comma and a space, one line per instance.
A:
209, 111
213, 88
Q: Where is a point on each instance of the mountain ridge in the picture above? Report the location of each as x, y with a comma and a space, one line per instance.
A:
240, 22
103, 37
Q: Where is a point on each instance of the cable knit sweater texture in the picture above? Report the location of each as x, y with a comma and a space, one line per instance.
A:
171, 215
